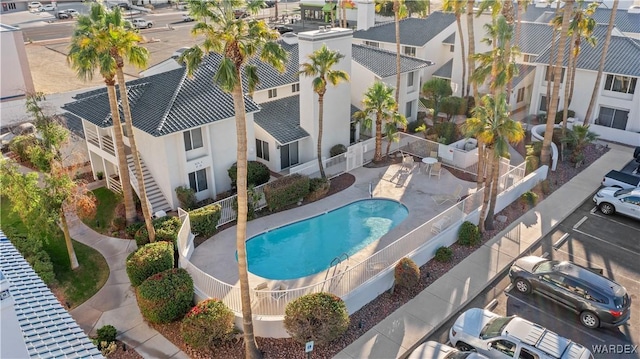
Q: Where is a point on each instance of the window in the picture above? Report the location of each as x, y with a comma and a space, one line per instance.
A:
262, 149
408, 109
632, 200
614, 118
372, 43
295, 87
549, 74
527, 354
273, 93
289, 155
409, 50
198, 180
505, 347
622, 84
192, 139
452, 48
410, 79
528, 58
543, 103
520, 95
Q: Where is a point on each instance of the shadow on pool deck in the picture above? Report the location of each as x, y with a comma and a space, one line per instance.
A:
216, 256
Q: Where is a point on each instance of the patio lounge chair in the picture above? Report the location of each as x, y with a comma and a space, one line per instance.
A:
261, 292
454, 198
435, 170
408, 163
433, 154
279, 291
440, 225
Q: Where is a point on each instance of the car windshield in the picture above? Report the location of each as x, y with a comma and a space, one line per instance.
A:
620, 192
494, 327
544, 267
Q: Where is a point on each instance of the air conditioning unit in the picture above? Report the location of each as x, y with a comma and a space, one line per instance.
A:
321, 28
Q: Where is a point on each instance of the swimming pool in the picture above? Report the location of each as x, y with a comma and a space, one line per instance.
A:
308, 246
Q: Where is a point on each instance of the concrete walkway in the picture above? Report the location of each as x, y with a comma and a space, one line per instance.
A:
115, 303
407, 327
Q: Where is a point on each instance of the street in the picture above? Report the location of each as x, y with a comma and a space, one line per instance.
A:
593, 240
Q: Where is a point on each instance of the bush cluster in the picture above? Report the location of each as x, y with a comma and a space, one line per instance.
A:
166, 230
20, 145
133, 228
318, 188
531, 198
204, 220
321, 317
412, 126
570, 113
119, 223
444, 254
407, 273
337, 149
165, 296
148, 260
186, 197
107, 333
533, 156
447, 131
208, 323
286, 191
468, 234
257, 173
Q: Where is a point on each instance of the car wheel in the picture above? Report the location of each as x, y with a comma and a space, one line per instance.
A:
523, 286
607, 208
589, 320
149, 26
462, 346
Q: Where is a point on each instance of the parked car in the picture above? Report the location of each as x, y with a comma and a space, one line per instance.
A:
141, 23
621, 180
187, 17
24, 129
240, 14
122, 6
612, 200
34, 5
48, 7
183, 6
435, 350
596, 299
269, 3
283, 29
495, 336
68, 13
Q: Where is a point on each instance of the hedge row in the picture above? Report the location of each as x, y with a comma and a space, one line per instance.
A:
148, 260
257, 173
209, 322
166, 230
286, 191
205, 219
166, 296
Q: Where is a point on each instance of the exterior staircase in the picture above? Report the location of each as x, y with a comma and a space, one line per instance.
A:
156, 199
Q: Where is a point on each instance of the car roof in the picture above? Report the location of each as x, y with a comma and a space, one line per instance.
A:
589, 277
542, 338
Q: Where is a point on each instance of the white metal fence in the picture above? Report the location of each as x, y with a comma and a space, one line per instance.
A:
273, 303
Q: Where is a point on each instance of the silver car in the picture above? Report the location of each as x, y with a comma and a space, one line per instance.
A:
435, 350
612, 200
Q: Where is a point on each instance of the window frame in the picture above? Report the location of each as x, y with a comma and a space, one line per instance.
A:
410, 80
295, 87
549, 75
409, 50
520, 95
262, 149
612, 80
375, 44
272, 93
188, 139
196, 180
408, 107
610, 123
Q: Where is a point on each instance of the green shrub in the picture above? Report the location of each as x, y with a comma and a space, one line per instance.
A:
318, 188
166, 230
257, 173
570, 113
148, 260
545, 187
337, 149
208, 323
107, 333
165, 296
533, 156
468, 234
204, 220
119, 223
133, 228
444, 254
186, 197
453, 105
407, 273
20, 145
321, 317
446, 130
531, 198
286, 191
412, 126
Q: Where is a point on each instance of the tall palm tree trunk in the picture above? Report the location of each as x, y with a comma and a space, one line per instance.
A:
123, 169
495, 175
507, 10
250, 345
462, 58
378, 154
146, 211
605, 50
67, 240
487, 193
471, 64
545, 155
396, 18
567, 87
320, 133
521, 7
553, 52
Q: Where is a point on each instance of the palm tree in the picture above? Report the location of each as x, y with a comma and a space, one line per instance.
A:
320, 65
457, 7
491, 124
238, 41
603, 57
521, 7
545, 155
378, 101
86, 55
436, 90
472, 50
391, 130
399, 12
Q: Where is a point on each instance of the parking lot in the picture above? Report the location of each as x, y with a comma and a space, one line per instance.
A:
593, 240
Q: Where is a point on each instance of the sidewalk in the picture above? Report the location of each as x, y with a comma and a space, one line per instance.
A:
410, 324
115, 303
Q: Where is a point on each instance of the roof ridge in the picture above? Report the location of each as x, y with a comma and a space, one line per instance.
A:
172, 101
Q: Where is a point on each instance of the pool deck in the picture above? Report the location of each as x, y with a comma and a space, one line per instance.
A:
216, 256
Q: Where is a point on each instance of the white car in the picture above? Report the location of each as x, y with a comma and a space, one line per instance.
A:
624, 201
500, 337
186, 17
435, 350
48, 7
142, 23
34, 5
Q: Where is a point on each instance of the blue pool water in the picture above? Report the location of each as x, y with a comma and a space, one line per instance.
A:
308, 246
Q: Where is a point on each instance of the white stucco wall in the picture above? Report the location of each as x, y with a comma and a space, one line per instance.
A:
274, 153
363, 80
262, 96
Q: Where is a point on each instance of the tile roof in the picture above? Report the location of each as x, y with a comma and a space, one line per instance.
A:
281, 119
270, 77
622, 56
413, 31
534, 37
383, 62
625, 21
533, 13
523, 71
47, 328
451, 40
73, 123
165, 103
445, 70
